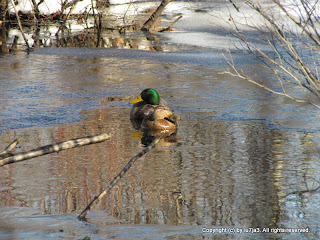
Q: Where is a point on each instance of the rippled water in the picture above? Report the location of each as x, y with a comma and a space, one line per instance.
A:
241, 157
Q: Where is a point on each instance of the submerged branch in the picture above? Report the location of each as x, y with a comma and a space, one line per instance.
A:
97, 198
54, 148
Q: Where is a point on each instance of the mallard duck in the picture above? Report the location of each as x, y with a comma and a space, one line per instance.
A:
152, 111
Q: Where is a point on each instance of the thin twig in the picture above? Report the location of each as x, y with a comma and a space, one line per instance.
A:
301, 192
282, 36
20, 25
239, 74
234, 5
279, 63
310, 35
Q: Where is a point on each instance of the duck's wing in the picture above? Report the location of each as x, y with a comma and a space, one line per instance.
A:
134, 113
142, 110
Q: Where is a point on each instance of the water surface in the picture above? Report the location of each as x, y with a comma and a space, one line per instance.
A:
243, 157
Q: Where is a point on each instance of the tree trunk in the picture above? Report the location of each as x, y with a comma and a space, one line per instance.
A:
3, 9
3, 30
154, 17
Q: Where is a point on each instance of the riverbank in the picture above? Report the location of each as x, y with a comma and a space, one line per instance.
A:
115, 32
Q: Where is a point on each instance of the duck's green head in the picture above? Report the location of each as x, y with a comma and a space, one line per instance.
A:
149, 96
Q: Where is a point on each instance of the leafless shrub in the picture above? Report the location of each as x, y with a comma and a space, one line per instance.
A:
290, 29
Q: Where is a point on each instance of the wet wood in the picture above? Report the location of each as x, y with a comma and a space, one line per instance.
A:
54, 148
104, 192
154, 17
170, 26
8, 150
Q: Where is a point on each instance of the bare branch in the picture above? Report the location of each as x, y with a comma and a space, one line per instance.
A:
293, 60
54, 148
242, 75
299, 23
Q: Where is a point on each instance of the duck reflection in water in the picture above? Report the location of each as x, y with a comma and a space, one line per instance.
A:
152, 115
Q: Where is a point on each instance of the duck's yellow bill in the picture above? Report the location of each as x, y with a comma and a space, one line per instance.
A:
138, 99
137, 135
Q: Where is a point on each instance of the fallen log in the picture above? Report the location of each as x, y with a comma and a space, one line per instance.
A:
53, 148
